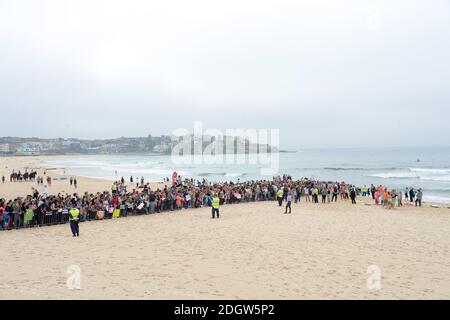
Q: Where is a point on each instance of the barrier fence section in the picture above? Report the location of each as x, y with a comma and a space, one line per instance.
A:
17, 220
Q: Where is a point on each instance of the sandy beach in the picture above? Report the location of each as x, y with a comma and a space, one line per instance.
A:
253, 252
12, 190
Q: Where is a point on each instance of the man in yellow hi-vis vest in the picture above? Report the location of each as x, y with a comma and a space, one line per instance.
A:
114, 188
280, 197
74, 218
215, 207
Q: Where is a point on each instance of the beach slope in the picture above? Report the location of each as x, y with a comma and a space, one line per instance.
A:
253, 251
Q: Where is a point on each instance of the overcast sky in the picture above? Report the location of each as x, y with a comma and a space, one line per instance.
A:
326, 73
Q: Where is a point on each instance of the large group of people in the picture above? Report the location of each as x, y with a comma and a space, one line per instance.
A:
43, 209
393, 198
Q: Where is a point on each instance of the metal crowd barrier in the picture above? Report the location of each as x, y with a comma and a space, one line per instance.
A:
62, 216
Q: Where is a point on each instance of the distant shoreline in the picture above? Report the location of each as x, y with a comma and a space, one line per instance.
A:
433, 194
152, 154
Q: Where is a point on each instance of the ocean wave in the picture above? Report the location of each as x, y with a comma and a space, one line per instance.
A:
395, 175
441, 178
436, 171
427, 198
208, 174
235, 175
226, 174
358, 169
157, 172
346, 168
410, 175
439, 190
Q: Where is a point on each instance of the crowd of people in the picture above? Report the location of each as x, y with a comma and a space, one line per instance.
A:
393, 198
44, 209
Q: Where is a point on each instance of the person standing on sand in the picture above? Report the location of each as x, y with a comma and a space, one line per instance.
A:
412, 195
298, 192
400, 199
419, 197
3, 221
315, 195
285, 192
74, 218
17, 214
334, 191
353, 195
75, 183
280, 197
392, 200
71, 181
307, 196
215, 206
288, 203
324, 192
3, 179
114, 189
386, 198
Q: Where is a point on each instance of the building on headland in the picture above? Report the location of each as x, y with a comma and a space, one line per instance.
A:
30, 148
161, 148
4, 148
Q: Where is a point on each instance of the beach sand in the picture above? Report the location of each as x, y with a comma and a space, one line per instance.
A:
12, 190
252, 252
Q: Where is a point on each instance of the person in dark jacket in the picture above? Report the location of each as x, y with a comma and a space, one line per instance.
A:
353, 195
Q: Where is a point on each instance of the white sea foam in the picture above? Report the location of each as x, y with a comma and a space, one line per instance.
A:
430, 170
393, 175
234, 175
427, 198
440, 178
429, 174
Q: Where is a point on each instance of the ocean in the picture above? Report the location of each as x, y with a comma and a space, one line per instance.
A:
427, 168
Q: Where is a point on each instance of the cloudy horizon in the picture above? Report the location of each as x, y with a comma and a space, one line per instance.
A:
326, 74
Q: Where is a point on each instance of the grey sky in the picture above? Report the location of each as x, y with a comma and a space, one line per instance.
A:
326, 73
